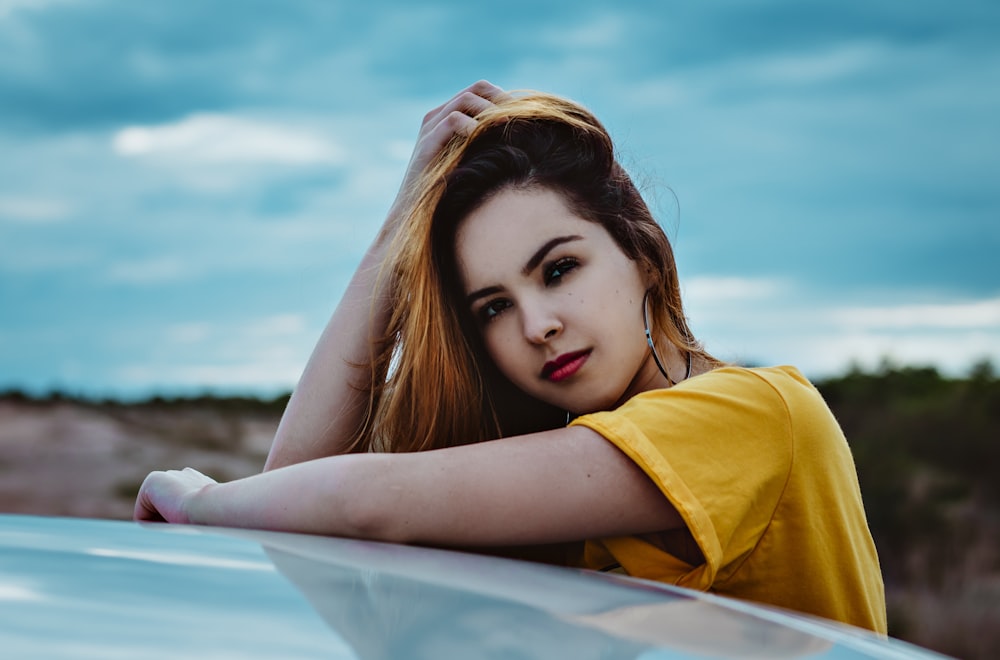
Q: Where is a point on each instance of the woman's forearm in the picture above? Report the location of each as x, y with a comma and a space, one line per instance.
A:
321, 497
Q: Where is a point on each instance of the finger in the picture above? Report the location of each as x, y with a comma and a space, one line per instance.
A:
466, 103
147, 515
489, 91
472, 100
145, 511
467, 100
455, 123
454, 117
457, 117
139, 509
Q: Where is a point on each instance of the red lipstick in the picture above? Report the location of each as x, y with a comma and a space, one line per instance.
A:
564, 366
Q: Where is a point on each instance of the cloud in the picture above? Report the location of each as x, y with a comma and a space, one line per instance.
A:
156, 270
188, 333
719, 289
263, 328
819, 66
156, 62
217, 138
774, 321
258, 375
823, 353
981, 314
600, 31
276, 327
33, 209
36, 259
265, 352
8, 7
16, 592
778, 69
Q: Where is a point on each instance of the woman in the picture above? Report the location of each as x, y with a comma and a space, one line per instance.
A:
520, 281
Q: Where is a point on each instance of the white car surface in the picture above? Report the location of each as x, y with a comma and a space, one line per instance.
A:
74, 588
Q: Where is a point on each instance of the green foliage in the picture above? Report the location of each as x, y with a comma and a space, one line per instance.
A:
222, 403
927, 450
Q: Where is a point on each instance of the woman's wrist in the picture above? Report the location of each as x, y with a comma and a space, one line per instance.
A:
196, 505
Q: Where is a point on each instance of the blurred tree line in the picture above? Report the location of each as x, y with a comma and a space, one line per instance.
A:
927, 450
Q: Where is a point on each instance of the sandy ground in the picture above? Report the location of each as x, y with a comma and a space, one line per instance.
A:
72, 459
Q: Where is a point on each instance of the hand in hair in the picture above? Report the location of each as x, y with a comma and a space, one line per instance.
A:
454, 117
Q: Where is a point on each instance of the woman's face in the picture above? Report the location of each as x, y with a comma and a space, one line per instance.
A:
558, 303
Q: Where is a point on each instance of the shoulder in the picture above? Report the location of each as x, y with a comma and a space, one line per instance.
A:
731, 392
726, 410
745, 416
782, 380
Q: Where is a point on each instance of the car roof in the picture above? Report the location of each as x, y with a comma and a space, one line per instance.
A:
98, 588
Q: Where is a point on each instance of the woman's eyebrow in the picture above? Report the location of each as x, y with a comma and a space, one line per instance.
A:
532, 264
537, 257
481, 293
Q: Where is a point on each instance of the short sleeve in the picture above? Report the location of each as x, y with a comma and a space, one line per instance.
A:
719, 447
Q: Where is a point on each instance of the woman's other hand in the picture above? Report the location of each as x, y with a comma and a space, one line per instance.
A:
165, 496
454, 117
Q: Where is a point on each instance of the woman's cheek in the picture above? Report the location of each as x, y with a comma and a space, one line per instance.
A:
501, 349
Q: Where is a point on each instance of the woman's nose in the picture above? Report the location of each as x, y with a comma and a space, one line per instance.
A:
540, 325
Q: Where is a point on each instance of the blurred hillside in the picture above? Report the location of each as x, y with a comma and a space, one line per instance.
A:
927, 450
66, 456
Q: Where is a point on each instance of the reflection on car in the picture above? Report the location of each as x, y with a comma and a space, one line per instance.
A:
87, 588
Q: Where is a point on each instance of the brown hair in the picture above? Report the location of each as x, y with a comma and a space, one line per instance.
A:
433, 383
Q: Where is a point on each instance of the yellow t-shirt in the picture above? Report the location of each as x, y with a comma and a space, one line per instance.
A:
758, 468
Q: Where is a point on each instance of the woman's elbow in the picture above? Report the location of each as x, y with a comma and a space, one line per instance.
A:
372, 520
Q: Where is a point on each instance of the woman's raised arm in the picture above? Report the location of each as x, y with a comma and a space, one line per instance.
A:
328, 404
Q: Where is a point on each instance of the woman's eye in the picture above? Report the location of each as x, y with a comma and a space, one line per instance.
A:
493, 309
556, 270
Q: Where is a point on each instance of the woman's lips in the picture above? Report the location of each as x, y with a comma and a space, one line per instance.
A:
564, 366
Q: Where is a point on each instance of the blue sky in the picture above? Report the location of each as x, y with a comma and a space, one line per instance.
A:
185, 188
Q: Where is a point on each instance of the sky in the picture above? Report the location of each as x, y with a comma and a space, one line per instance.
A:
187, 187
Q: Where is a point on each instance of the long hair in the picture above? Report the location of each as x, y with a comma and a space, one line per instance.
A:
433, 384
